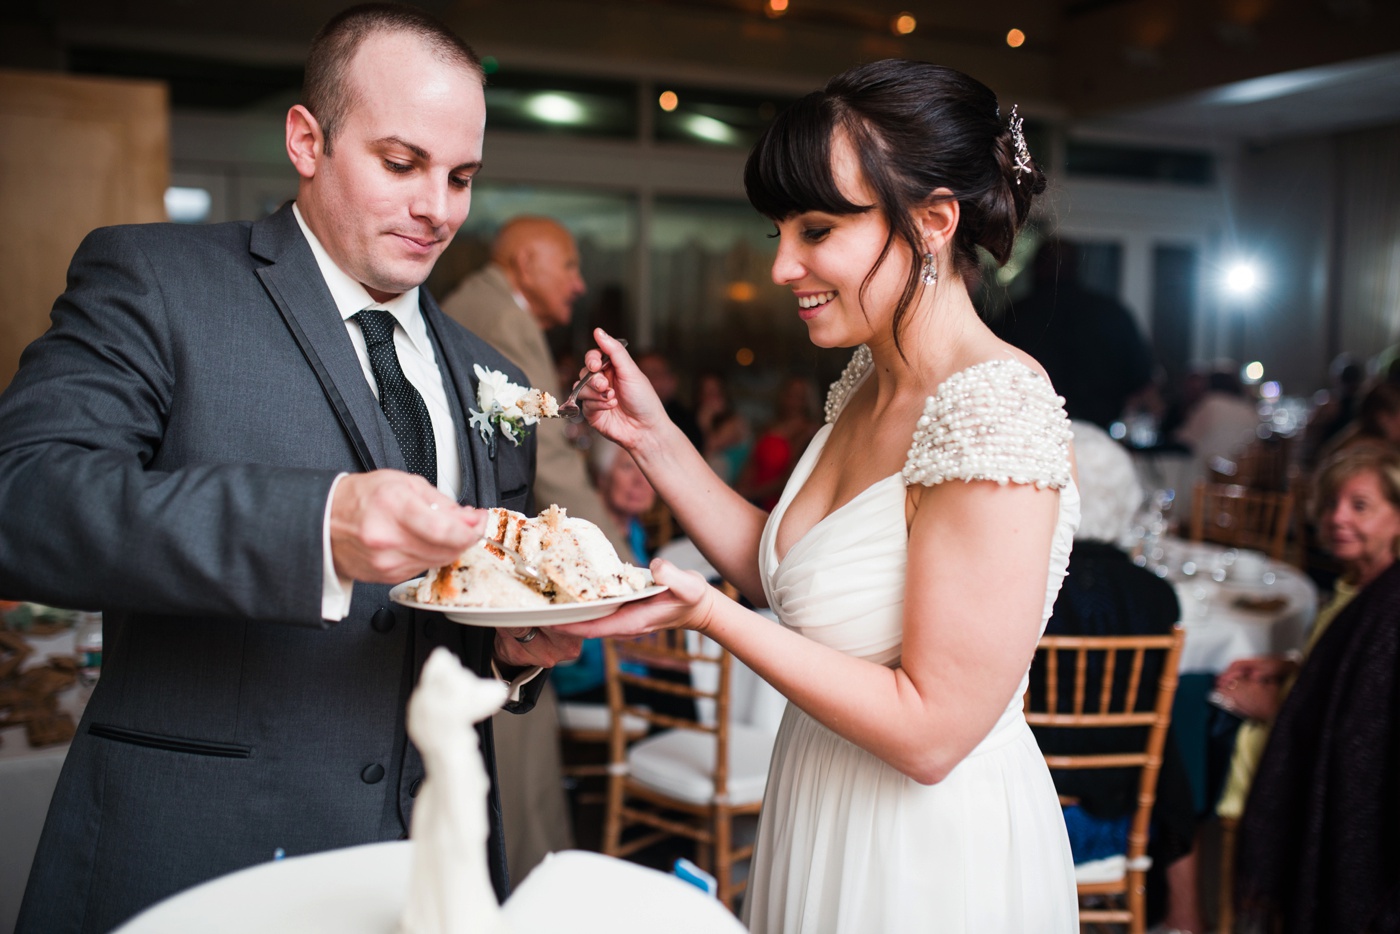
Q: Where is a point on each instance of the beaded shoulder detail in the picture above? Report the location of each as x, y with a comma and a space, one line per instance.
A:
851, 377
998, 421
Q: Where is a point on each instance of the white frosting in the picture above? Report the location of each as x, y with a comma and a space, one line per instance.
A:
439, 882
573, 553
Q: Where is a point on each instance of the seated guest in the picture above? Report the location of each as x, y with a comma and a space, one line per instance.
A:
1317, 846
662, 376
1221, 424
726, 433
1105, 594
1358, 495
776, 451
1377, 421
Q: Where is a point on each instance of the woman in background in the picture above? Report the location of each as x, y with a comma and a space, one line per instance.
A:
1318, 848
781, 443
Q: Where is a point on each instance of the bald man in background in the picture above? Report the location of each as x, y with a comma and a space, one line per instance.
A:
529, 286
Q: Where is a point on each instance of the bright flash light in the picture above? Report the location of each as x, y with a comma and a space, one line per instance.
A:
1253, 372
1242, 278
556, 108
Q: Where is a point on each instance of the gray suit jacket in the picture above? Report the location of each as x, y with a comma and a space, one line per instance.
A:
166, 450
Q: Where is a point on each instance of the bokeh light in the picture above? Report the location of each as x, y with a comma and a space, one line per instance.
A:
556, 108
740, 291
744, 356
1242, 279
1015, 38
1253, 372
904, 24
668, 101
775, 8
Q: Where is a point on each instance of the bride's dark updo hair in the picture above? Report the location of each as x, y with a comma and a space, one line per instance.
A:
915, 127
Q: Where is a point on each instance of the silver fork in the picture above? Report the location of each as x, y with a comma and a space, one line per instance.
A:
523, 568
569, 407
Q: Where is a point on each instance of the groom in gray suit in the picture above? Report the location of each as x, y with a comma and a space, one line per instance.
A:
230, 441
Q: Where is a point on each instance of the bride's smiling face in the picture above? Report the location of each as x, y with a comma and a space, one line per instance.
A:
825, 259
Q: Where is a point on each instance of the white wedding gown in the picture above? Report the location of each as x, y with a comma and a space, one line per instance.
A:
845, 842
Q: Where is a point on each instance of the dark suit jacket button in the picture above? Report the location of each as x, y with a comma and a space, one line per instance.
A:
383, 619
372, 773
413, 789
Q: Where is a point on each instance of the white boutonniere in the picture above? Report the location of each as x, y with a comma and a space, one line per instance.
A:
499, 399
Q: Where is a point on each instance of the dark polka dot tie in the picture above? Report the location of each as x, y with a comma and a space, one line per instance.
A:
402, 405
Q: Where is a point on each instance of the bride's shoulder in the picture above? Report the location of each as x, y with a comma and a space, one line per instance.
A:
1011, 375
997, 419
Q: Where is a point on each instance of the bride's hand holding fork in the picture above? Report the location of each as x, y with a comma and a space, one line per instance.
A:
619, 402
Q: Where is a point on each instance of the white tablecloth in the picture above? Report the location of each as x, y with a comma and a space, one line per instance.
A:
1222, 607
27, 780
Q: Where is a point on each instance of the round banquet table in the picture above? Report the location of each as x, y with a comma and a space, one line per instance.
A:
1229, 613
363, 890
1232, 607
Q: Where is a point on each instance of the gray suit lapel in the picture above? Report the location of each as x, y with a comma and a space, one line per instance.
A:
294, 282
478, 472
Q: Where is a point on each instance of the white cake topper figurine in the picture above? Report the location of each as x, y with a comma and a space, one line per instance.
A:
449, 884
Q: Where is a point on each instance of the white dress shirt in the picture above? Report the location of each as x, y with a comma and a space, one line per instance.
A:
420, 367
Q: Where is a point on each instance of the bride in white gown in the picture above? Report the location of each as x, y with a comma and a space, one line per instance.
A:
916, 553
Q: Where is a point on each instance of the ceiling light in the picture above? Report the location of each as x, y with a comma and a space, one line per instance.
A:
1241, 279
556, 108
708, 128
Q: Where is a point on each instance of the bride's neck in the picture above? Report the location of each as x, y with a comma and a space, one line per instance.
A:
937, 340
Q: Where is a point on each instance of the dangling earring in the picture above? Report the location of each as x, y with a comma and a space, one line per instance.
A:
930, 271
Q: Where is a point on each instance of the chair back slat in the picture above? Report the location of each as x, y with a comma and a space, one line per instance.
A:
1242, 517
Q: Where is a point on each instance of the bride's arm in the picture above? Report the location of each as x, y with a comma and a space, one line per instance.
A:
978, 562
621, 405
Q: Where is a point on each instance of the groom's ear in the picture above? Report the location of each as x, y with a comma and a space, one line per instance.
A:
937, 219
305, 141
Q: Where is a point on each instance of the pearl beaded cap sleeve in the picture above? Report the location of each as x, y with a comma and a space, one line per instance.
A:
996, 421
851, 377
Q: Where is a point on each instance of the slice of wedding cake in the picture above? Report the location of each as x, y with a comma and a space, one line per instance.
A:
573, 553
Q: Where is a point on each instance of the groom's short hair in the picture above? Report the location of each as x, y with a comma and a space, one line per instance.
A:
326, 89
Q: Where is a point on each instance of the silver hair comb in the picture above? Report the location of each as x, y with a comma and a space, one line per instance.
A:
1022, 165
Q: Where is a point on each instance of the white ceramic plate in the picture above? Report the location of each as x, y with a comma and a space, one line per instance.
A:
556, 614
